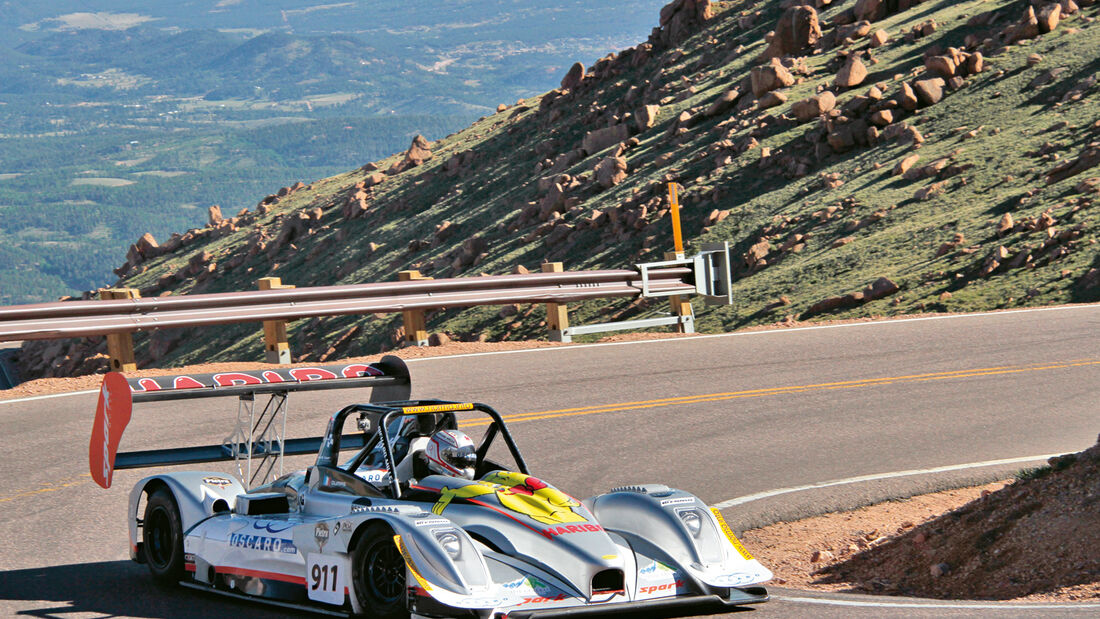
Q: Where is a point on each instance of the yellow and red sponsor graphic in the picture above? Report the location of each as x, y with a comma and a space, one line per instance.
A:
521, 494
572, 528
111, 417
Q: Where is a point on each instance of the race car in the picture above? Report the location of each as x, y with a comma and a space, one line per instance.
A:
419, 521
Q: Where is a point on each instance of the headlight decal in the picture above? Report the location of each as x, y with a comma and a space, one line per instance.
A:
730, 536
409, 562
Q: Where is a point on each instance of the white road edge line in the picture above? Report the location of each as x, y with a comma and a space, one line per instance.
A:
46, 397
960, 605
878, 476
672, 339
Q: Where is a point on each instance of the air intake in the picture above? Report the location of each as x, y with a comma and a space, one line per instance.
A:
607, 581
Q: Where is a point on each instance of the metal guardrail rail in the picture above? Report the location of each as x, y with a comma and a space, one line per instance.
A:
90, 318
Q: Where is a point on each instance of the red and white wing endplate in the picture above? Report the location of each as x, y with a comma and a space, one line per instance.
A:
111, 416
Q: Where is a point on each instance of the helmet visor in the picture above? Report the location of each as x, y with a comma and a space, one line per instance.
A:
459, 457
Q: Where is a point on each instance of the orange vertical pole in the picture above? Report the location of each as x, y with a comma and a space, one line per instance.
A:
674, 205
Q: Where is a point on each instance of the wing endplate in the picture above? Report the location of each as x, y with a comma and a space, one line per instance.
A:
111, 417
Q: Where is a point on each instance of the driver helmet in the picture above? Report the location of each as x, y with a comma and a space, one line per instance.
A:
450, 452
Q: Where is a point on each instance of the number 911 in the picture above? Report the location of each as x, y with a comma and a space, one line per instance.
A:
323, 579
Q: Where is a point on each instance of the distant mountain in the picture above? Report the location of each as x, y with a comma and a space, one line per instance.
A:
118, 116
853, 170
141, 49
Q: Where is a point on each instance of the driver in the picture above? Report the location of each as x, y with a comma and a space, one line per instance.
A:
451, 453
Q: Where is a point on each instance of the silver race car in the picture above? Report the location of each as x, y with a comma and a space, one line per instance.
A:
419, 521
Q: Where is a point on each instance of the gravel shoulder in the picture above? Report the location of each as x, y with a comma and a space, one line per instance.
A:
1035, 538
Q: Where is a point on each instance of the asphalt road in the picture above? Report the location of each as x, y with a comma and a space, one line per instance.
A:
722, 416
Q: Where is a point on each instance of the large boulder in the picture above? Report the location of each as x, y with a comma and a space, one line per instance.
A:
944, 66
769, 77
770, 100
1026, 28
930, 91
1049, 16
419, 151
852, 73
680, 19
147, 246
646, 116
611, 171
595, 141
809, 109
573, 78
795, 33
906, 98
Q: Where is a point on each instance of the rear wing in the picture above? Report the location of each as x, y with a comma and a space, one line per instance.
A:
257, 436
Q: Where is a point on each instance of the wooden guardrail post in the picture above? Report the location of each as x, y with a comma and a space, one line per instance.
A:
557, 314
276, 344
120, 346
681, 306
416, 328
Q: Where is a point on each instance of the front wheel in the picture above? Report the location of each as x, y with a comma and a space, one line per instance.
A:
162, 537
378, 573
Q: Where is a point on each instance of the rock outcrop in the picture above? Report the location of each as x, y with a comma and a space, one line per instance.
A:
795, 33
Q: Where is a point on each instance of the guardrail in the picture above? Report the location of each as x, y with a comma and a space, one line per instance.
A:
121, 312
103, 317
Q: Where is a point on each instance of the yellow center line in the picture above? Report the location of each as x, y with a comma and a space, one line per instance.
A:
701, 398
772, 391
83, 479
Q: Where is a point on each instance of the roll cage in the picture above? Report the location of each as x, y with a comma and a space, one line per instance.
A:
430, 415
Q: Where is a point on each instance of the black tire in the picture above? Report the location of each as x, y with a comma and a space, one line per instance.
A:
162, 537
378, 573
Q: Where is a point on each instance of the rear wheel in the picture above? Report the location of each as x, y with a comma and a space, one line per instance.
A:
162, 537
378, 572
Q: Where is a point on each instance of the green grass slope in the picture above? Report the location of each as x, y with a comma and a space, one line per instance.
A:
997, 211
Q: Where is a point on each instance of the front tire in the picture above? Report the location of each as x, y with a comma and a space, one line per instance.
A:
162, 537
378, 574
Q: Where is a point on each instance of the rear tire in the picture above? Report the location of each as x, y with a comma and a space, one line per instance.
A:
162, 537
378, 574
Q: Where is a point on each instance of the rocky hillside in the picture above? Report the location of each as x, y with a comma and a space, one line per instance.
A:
870, 158
1037, 535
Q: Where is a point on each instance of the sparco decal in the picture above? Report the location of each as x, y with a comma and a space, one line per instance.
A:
668, 586
262, 542
541, 600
